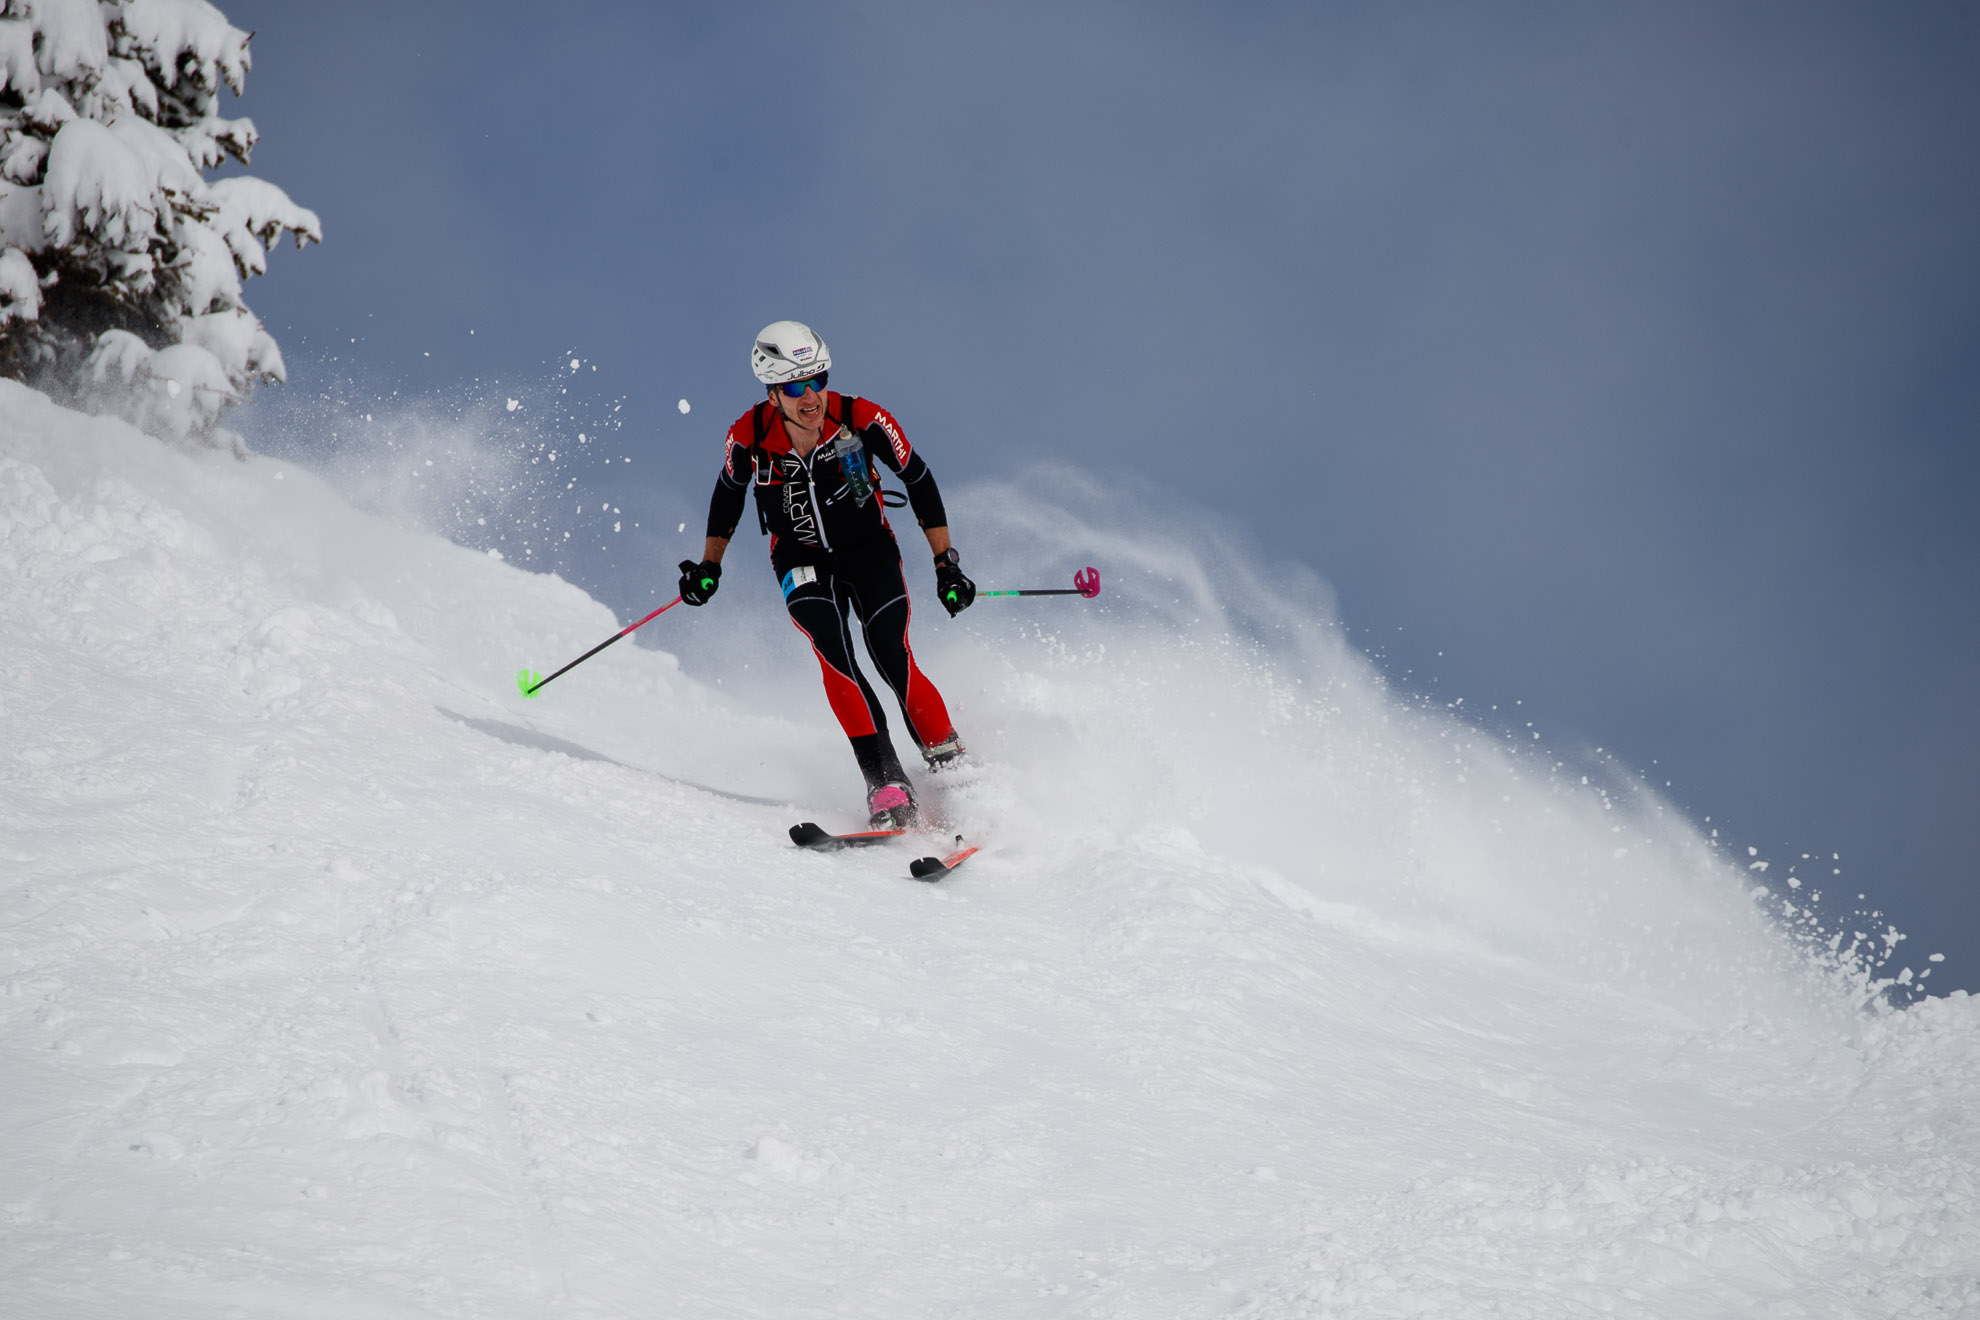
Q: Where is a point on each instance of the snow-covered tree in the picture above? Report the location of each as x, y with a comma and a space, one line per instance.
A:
120, 262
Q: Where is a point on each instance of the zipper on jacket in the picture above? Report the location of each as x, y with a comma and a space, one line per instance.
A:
817, 509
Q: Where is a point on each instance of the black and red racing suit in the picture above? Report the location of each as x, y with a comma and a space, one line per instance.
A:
835, 556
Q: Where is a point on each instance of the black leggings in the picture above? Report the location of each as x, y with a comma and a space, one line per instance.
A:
871, 586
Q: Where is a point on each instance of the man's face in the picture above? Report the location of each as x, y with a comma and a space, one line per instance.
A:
807, 410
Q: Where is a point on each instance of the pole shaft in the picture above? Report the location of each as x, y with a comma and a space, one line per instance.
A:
538, 687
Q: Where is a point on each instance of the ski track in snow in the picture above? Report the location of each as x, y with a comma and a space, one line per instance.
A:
336, 980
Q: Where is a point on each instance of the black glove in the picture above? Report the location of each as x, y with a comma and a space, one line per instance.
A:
955, 590
698, 581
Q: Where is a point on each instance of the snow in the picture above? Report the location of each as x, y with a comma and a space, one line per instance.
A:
253, 213
18, 73
210, 280
165, 165
127, 82
20, 291
169, 33
97, 186
180, 389
72, 45
337, 979
236, 339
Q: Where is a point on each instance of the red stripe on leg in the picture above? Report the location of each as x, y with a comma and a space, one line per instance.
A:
926, 710
848, 702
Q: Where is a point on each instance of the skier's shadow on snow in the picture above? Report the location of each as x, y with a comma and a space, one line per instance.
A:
543, 742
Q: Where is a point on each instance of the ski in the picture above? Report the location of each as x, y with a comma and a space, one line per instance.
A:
932, 869
810, 835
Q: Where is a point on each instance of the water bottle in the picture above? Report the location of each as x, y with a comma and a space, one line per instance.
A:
855, 465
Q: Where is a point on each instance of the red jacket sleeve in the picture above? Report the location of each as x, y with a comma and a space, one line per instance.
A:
725, 506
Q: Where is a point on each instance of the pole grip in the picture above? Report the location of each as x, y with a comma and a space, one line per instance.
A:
1086, 583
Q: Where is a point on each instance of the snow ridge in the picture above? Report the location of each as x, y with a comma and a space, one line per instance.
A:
335, 979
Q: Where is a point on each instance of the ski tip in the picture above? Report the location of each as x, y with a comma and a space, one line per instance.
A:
808, 834
934, 868
528, 681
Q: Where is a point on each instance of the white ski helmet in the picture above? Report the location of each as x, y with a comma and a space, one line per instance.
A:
788, 350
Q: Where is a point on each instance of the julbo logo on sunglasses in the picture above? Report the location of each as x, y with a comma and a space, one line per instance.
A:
796, 388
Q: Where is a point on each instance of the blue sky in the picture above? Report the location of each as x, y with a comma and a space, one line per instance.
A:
1622, 360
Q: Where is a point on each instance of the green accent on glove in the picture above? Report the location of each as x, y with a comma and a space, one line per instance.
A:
699, 580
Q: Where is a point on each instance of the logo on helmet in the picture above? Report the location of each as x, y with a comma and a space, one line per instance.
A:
802, 355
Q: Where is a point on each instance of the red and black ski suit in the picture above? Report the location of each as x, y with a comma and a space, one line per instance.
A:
835, 555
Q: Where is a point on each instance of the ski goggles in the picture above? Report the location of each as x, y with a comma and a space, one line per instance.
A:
795, 388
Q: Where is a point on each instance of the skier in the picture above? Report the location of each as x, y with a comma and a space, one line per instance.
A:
810, 454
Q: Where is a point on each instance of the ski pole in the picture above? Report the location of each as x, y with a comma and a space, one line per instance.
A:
1086, 583
529, 682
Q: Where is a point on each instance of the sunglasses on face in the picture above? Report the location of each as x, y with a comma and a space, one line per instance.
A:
795, 388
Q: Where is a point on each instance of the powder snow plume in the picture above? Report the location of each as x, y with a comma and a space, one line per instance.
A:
512, 467
338, 979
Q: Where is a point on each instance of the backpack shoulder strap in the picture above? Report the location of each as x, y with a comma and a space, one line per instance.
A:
759, 420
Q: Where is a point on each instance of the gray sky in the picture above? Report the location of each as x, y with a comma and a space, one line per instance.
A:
1620, 359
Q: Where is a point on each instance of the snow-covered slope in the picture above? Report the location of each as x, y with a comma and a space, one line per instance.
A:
337, 980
